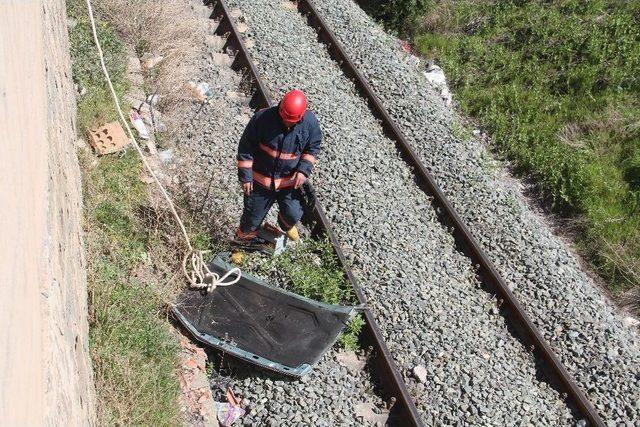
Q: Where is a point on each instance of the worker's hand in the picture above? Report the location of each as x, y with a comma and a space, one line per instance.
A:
299, 179
247, 188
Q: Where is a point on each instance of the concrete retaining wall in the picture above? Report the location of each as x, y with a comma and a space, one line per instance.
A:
45, 373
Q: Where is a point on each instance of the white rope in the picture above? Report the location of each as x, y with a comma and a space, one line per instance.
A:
199, 270
203, 278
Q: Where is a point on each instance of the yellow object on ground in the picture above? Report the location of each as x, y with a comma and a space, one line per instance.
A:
293, 233
236, 258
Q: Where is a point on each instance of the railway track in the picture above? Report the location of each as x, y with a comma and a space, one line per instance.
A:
404, 410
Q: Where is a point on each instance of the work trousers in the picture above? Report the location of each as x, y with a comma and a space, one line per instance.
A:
257, 205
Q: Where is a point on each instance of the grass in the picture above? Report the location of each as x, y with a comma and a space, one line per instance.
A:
130, 254
133, 347
556, 84
95, 107
311, 269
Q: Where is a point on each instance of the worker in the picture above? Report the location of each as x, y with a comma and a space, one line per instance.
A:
276, 155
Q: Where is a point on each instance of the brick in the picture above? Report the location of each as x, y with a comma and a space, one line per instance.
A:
108, 139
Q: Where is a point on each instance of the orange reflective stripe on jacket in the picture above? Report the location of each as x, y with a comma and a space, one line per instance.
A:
279, 183
310, 158
273, 153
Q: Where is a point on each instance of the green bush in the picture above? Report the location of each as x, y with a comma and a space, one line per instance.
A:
398, 15
556, 84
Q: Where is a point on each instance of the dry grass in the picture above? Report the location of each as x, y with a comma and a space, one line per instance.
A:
168, 28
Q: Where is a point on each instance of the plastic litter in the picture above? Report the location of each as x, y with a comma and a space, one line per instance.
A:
436, 77
201, 91
230, 411
138, 123
166, 156
228, 414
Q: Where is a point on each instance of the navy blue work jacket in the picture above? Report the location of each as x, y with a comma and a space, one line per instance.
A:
270, 154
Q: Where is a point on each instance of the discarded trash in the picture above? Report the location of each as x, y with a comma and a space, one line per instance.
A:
231, 410
150, 60
108, 139
139, 124
166, 155
405, 46
420, 372
436, 77
262, 324
153, 99
236, 258
201, 91
630, 322
228, 414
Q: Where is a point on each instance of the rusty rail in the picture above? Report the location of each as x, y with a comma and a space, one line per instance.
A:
403, 410
510, 307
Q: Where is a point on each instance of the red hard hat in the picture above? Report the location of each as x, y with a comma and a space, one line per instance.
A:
292, 107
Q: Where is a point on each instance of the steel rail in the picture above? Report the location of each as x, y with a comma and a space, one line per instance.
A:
403, 410
509, 305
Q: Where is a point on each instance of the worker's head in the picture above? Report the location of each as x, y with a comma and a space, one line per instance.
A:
292, 107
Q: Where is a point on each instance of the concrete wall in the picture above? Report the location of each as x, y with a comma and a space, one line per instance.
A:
45, 373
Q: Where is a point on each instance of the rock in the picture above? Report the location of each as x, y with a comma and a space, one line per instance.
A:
214, 42
81, 144
133, 65
365, 412
351, 360
420, 373
151, 147
150, 60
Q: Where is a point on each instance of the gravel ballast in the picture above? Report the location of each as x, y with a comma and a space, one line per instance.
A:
423, 293
571, 311
203, 162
